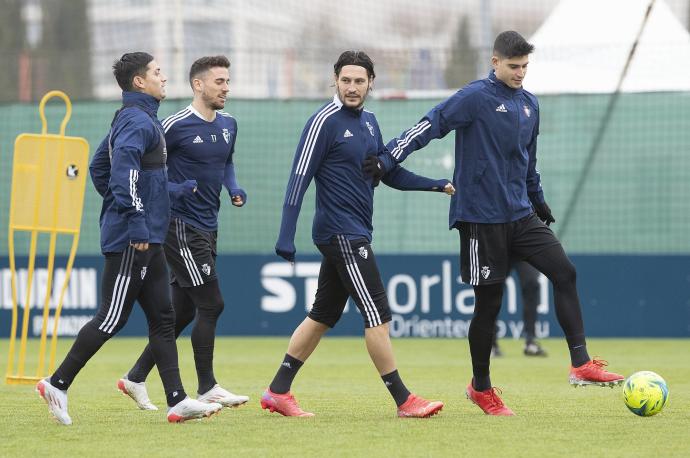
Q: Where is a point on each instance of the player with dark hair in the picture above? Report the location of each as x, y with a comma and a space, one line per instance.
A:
201, 142
335, 141
128, 170
499, 208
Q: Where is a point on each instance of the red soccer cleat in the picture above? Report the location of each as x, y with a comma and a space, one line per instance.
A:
488, 401
285, 404
593, 373
417, 407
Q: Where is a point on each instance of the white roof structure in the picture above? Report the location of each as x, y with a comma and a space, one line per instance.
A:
583, 45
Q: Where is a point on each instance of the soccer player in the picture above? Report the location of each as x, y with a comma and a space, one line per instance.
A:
499, 208
334, 142
201, 143
128, 170
529, 285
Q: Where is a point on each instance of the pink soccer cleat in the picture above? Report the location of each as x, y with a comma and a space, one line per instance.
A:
418, 407
488, 401
593, 373
285, 404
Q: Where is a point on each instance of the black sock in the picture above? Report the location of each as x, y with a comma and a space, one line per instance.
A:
396, 387
286, 374
203, 359
481, 382
482, 332
554, 263
578, 355
175, 397
89, 340
209, 305
59, 383
185, 311
135, 376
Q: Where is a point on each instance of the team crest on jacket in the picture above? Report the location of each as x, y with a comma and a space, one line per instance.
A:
363, 251
143, 272
527, 110
486, 272
226, 135
371, 128
205, 268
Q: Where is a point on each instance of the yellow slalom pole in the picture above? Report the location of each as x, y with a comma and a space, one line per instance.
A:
46, 306
58, 309
27, 304
13, 286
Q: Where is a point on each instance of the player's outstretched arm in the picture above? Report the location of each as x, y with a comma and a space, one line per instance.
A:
402, 179
453, 113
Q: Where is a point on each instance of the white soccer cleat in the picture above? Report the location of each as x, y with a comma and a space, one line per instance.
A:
189, 409
56, 400
222, 396
136, 391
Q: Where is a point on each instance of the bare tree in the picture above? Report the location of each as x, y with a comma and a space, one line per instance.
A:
64, 59
461, 68
12, 44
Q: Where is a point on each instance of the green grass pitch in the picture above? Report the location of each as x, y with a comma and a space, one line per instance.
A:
355, 416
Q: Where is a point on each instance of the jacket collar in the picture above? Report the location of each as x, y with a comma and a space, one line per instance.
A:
501, 87
146, 102
352, 111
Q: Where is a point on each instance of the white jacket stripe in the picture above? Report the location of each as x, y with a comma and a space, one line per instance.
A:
170, 120
409, 136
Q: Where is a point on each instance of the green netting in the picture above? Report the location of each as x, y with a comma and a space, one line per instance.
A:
636, 198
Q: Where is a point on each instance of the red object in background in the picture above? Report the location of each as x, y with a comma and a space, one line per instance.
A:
24, 70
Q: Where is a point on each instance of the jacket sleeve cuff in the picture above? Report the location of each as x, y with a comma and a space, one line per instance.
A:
137, 230
388, 161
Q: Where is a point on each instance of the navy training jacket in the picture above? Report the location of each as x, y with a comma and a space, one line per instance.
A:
203, 151
333, 145
496, 130
129, 171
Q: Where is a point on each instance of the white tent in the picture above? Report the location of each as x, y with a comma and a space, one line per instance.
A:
583, 45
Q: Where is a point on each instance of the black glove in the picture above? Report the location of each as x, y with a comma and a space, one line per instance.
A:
543, 212
374, 167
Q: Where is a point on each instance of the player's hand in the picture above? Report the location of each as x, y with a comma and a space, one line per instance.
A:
543, 212
189, 187
374, 167
179, 190
289, 256
286, 250
238, 197
140, 246
449, 189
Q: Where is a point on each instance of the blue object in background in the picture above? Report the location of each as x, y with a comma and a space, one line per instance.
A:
622, 296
